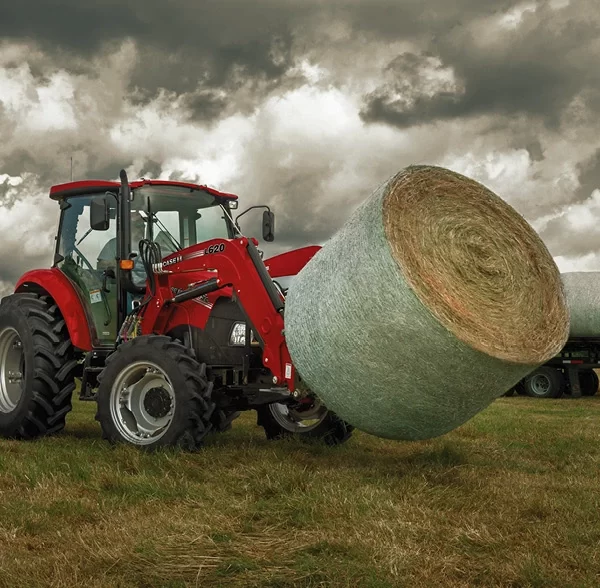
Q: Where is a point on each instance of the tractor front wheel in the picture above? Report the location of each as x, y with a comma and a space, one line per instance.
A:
153, 393
37, 367
308, 421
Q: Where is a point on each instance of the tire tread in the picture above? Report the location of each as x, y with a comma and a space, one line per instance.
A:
54, 366
198, 390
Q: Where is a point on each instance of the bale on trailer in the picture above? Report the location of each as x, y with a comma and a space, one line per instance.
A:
435, 298
571, 372
582, 290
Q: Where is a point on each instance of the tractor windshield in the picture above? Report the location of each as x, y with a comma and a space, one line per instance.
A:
176, 217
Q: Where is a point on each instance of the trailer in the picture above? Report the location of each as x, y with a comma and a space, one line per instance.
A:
570, 373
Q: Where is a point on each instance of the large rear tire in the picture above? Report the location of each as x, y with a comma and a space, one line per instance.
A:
545, 382
37, 367
153, 393
308, 422
588, 380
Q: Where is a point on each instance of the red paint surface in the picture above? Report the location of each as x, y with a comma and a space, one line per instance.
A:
57, 285
61, 190
240, 280
290, 262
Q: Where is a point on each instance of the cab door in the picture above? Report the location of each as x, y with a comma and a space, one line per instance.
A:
88, 258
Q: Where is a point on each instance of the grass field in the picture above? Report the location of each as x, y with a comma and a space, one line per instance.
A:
510, 499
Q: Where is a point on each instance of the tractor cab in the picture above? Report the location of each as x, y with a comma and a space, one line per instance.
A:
100, 232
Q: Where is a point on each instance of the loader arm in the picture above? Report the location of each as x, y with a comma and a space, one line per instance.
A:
236, 264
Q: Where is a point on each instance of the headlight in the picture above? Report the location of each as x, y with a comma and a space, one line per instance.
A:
238, 336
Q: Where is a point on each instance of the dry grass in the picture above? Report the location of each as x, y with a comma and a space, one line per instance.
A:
510, 499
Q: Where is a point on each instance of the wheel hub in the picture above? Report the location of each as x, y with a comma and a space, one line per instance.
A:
306, 411
540, 384
302, 418
157, 402
142, 402
12, 368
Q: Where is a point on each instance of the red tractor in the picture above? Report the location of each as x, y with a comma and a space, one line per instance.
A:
167, 315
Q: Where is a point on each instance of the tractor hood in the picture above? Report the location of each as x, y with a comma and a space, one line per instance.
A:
290, 262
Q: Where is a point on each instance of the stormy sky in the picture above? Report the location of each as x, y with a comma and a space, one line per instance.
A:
306, 105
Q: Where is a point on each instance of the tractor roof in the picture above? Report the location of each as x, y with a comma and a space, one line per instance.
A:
61, 191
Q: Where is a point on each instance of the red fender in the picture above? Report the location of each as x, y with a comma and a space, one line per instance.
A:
290, 262
60, 289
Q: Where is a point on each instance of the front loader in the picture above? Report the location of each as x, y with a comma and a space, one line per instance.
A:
167, 316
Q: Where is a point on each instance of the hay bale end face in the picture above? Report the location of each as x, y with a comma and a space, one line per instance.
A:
435, 298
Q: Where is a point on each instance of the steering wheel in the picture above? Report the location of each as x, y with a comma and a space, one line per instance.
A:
94, 274
85, 260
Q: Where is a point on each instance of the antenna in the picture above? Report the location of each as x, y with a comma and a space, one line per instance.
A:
71, 168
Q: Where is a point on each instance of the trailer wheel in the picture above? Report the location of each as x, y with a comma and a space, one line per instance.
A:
309, 422
37, 367
153, 393
588, 381
545, 382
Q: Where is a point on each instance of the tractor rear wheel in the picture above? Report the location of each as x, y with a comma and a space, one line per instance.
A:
310, 421
37, 367
153, 393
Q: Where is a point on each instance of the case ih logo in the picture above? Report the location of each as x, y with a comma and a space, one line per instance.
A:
173, 261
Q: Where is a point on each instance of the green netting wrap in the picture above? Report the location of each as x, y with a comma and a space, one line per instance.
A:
435, 298
583, 298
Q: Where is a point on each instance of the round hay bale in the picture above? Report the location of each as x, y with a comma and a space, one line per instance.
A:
435, 298
583, 298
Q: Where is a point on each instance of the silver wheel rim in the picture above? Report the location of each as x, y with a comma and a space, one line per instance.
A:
12, 366
298, 421
142, 403
540, 384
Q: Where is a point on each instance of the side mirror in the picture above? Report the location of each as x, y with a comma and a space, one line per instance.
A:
268, 226
100, 214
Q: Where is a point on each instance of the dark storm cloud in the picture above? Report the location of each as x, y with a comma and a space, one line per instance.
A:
536, 69
535, 150
204, 105
181, 44
12, 267
150, 169
589, 177
17, 162
230, 31
189, 45
106, 170
565, 239
296, 223
391, 19
55, 168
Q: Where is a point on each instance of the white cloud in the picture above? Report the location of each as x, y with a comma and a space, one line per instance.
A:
36, 107
587, 263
